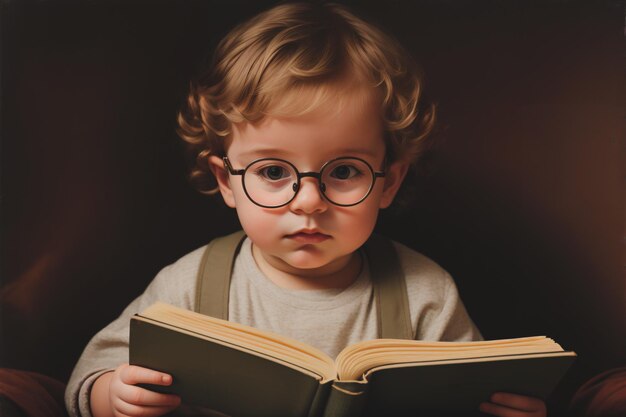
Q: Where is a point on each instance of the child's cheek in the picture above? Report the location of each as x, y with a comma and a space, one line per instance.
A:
261, 225
354, 225
362, 227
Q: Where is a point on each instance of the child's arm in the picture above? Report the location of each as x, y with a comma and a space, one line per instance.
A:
174, 284
514, 405
115, 394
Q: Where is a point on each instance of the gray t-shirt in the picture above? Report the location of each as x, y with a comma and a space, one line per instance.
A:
329, 319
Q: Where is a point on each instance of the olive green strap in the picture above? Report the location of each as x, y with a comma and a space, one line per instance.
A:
392, 301
213, 281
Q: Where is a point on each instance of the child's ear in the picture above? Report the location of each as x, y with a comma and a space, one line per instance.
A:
216, 164
394, 176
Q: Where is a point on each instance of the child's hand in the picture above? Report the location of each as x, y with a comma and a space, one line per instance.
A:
513, 405
127, 399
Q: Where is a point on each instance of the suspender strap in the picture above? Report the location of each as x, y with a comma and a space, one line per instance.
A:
216, 266
392, 301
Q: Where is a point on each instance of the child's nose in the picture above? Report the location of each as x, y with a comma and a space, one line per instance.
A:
309, 199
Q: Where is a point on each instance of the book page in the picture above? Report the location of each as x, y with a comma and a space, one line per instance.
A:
354, 361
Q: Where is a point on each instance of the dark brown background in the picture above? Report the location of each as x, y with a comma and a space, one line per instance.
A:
522, 198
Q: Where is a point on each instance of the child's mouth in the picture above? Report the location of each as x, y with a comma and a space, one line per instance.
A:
306, 237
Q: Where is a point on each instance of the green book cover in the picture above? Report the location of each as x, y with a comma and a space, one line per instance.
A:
221, 377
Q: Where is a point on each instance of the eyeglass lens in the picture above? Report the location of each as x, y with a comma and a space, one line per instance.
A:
273, 183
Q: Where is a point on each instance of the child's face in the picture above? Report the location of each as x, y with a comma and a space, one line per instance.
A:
310, 235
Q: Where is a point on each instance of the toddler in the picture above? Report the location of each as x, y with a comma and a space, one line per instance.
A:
306, 124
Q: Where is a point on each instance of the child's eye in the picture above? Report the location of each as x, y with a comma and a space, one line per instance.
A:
344, 172
273, 172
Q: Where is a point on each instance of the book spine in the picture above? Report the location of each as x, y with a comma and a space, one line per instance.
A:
346, 399
320, 400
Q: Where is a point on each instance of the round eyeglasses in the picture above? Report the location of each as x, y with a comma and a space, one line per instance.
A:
273, 183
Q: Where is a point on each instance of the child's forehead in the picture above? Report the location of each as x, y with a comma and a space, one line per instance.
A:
349, 126
354, 109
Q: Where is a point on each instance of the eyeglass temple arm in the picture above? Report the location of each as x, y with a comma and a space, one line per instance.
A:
230, 169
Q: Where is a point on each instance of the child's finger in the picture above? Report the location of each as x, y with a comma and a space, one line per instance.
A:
132, 375
141, 396
520, 402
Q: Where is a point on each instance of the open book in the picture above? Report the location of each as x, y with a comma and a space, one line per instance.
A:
241, 371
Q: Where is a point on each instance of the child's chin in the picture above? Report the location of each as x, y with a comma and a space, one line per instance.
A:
306, 260
307, 264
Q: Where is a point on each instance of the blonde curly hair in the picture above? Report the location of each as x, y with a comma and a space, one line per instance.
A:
291, 60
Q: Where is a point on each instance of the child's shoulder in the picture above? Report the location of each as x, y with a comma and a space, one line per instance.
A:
421, 272
179, 276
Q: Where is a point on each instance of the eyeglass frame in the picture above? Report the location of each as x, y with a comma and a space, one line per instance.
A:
299, 175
